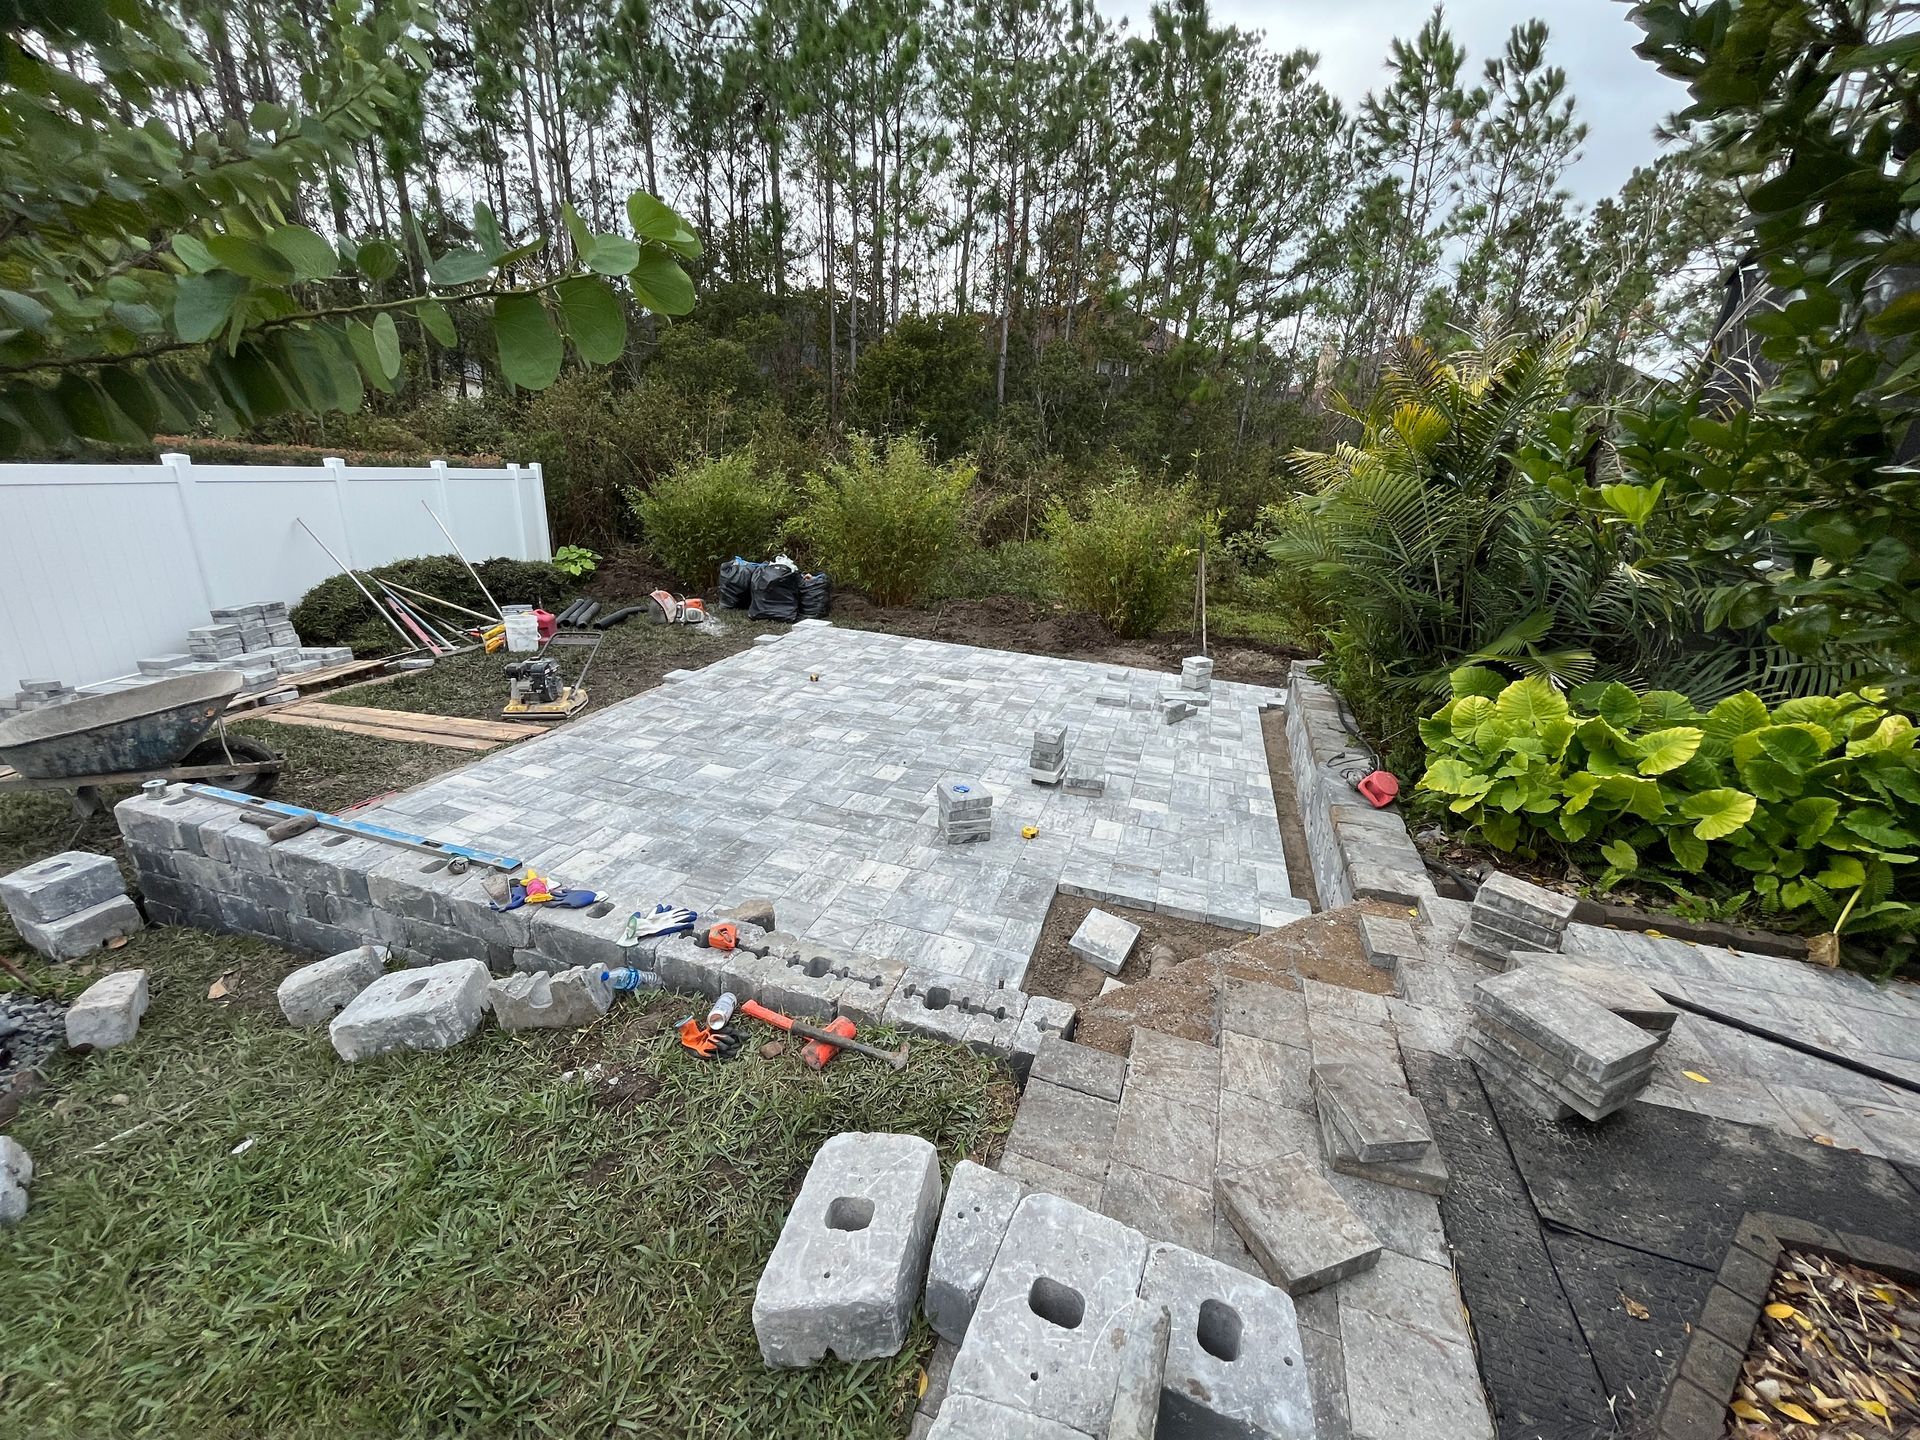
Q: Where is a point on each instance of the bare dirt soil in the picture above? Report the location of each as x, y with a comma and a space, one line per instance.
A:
1059, 971
1004, 622
1184, 1000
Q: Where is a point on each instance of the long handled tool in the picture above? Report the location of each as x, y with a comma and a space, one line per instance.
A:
466, 562
405, 639
893, 1059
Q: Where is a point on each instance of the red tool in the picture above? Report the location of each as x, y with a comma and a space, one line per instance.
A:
816, 1053
895, 1059
724, 936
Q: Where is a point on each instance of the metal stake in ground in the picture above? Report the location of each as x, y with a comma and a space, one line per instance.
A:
405, 639
466, 562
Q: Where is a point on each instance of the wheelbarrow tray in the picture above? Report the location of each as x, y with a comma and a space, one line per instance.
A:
146, 728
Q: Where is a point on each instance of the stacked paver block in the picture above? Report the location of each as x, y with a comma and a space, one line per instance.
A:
979, 1206
849, 1263
108, 1011
1196, 674
1375, 1130
966, 811
1047, 761
1175, 707
1358, 852
69, 905
1554, 1047
1620, 991
1104, 941
218, 641
1511, 916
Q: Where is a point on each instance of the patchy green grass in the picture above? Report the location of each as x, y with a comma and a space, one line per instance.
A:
554, 1234
551, 1234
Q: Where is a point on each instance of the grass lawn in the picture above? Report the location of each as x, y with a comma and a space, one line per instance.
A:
550, 1234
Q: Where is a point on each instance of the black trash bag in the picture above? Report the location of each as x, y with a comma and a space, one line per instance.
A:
736, 583
776, 593
816, 596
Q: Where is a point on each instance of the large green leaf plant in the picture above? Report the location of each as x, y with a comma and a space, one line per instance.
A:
1811, 808
157, 278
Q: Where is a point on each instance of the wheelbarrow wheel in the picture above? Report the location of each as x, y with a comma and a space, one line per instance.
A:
235, 748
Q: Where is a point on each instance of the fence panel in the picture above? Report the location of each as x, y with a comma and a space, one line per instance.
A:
101, 565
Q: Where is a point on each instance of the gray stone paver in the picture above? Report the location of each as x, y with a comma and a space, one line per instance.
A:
820, 795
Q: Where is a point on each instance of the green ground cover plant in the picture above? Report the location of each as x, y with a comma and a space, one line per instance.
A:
1811, 808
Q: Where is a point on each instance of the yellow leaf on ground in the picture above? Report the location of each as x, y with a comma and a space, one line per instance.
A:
1873, 1408
1779, 1311
1797, 1412
1748, 1411
1696, 1077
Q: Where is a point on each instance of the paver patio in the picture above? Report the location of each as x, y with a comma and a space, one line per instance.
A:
804, 771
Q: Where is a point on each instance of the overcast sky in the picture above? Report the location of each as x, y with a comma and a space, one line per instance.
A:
1621, 96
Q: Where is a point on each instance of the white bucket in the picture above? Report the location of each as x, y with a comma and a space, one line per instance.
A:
523, 631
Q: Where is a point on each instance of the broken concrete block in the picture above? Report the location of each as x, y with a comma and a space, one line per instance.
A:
1379, 1121
850, 1259
60, 885
1295, 1223
1143, 1368
979, 1205
564, 1001
314, 994
968, 1417
108, 1011
1235, 1363
1048, 1333
431, 1008
76, 936
1104, 940
757, 912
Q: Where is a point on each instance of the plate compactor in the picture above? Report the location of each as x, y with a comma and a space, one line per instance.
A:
535, 691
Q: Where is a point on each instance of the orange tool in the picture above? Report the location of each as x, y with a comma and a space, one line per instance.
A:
723, 937
894, 1059
816, 1053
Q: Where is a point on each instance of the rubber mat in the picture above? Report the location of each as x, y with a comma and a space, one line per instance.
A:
1538, 1369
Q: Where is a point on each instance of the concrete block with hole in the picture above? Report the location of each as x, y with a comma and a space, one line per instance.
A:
60, 885
108, 1011
433, 1007
968, 1417
1235, 1363
848, 1266
314, 994
1048, 1335
76, 936
979, 1206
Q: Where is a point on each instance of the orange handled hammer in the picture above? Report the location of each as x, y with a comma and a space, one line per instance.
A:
894, 1059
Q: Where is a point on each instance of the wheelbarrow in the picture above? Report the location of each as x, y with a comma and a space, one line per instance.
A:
151, 732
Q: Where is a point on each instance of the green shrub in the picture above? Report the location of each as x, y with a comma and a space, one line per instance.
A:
1131, 560
706, 512
1022, 568
886, 524
1812, 806
334, 612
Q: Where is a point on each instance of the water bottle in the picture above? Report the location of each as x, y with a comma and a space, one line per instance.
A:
722, 1011
628, 977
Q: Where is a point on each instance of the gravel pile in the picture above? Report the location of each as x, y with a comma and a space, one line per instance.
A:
30, 1031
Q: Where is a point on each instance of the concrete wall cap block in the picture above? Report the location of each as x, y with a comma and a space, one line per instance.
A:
430, 1008
108, 1011
76, 936
60, 885
979, 1206
850, 1260
314, 994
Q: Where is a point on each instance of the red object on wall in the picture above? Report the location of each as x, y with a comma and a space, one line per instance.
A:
1380, 788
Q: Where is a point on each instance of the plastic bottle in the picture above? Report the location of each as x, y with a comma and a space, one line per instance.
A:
722, 1011
627, 977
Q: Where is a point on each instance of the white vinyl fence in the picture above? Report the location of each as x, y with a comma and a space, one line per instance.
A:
101, 565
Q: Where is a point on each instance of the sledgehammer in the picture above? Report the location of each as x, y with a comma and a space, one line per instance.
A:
893, 1059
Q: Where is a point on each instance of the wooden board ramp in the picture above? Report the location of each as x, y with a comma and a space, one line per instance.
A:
451, 731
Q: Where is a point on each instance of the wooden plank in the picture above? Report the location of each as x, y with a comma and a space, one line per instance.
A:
415, 720
281, 715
